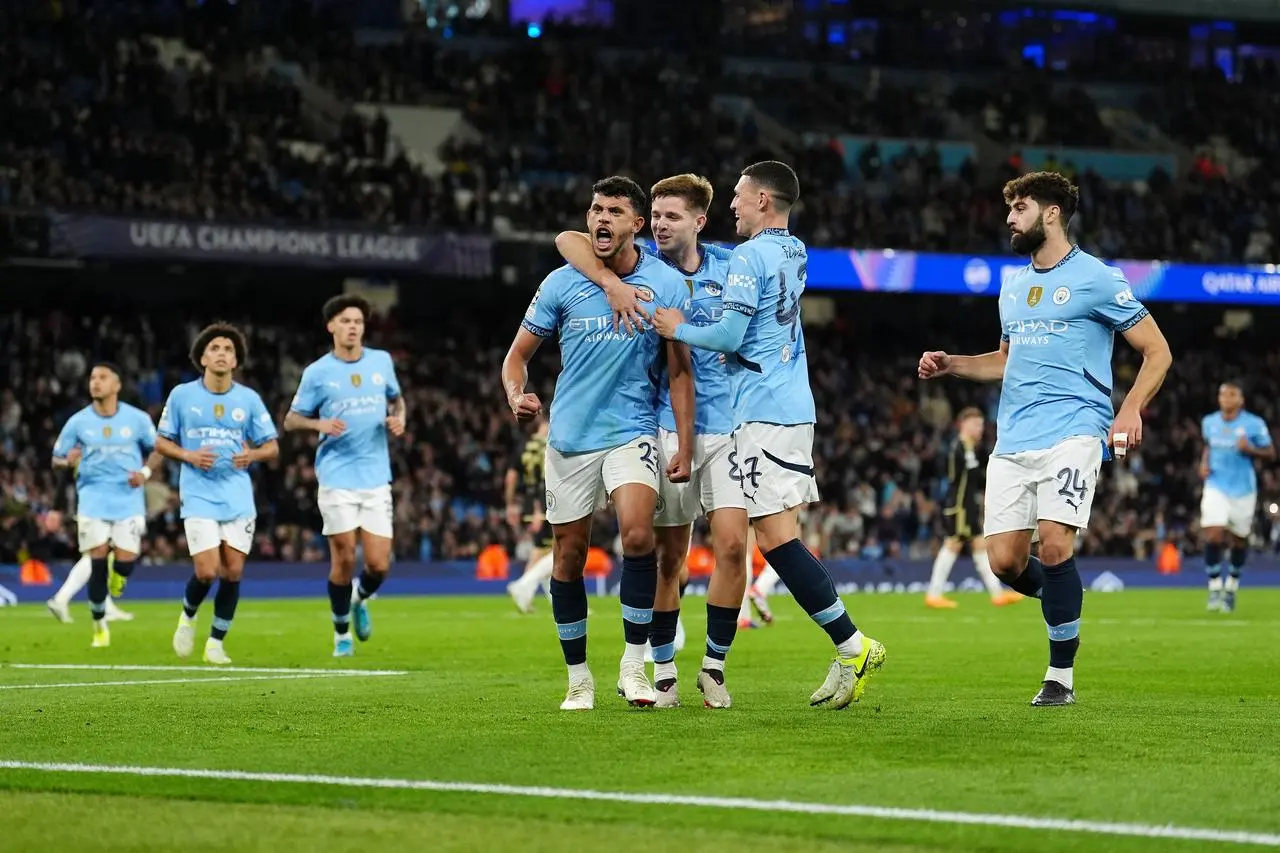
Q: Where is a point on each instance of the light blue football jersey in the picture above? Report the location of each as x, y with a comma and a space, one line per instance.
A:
609, 385
113, 448
196, 418
1060, 325
1231, 471
714, 411
769, 374
357, 393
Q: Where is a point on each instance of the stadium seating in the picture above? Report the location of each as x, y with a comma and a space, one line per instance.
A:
99, 117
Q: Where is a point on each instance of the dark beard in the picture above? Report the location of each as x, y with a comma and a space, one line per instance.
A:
1028, 243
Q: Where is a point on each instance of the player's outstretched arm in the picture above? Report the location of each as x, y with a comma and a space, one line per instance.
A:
1144, 336
748, 274
575, 248
683, 405
515, 375
723, 336
988, 367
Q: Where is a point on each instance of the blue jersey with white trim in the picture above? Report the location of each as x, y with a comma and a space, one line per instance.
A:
714, 410
608, 389
1060, 326
111, 448
769, 374
1231, 471
196, 418
356, 393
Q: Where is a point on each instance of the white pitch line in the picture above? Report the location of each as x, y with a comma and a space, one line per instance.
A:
1138, 830
223, 679
178, 668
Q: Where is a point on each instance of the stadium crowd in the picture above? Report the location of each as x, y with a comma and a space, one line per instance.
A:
880, 446
91, 119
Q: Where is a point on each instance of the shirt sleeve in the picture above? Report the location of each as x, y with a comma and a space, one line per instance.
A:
171, 417
261, 428
720, 253
146, 433
1204, 429
1261, 435
543, 316
393, 381
67, 439
1115, 306
742, 286
307, 400
723, 336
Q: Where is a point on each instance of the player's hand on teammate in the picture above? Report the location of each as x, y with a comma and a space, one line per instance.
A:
73, 457
934, 364
244, 458
1126, 432
136, 479
666, 320
1244, 445
204, 458
681, 466
331, 426
524, 406
627, 313
395, 425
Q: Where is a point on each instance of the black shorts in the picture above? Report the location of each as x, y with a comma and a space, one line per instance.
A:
542, 537
962, 521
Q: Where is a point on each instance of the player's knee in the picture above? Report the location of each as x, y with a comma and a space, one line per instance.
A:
731, 555
570, 558
1007, 563
670, 564
1007, 571
232, 573
637, 539
342, 551
207, 572
1053, 553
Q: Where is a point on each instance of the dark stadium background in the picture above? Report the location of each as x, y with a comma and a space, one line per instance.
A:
166, 164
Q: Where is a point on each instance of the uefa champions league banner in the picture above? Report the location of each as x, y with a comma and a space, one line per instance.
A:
144, 238
890, 271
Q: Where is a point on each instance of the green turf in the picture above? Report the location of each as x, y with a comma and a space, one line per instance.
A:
1176, 725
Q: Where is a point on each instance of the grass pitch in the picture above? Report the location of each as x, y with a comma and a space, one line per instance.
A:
1176, 724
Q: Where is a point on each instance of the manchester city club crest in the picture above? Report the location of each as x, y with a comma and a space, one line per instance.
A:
1033, 296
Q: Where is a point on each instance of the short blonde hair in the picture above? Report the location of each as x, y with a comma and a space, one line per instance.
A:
694, 189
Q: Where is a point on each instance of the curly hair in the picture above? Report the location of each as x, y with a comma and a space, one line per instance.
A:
219, 330
1045, 188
